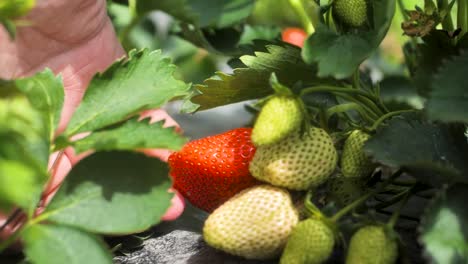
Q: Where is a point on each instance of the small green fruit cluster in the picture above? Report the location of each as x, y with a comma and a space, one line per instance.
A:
257, 223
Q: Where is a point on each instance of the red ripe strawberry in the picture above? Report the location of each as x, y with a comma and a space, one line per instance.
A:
211, 170
295, 36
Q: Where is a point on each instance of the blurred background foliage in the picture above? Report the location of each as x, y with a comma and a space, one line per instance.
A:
200, 52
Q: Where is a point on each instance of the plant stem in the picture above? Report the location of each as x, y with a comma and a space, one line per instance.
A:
124, 34
362, 97
10, 219
303, 16
402, 8
462, 16
373, 105
310, 207
351, 206
388, 115
367, 105
447, 23
333, 89
392, 201
324, 120
359, 201
393, 220
356, 79
346, 107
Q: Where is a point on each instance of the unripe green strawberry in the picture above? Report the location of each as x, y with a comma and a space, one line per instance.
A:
350, 12
343, 190
311, 242
297, 162
254, 224
354, 162
372, 245
280, 116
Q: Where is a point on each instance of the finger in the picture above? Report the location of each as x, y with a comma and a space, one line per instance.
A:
157, 115
176, 209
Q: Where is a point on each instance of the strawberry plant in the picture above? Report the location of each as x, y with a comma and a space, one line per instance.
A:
354, 151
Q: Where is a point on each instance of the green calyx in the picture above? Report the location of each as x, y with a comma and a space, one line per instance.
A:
311, 241
281, 115
354, 162
352, 13
373, 244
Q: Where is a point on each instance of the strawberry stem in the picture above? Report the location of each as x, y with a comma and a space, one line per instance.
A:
298, 7
386, 116
386, 203
310, 207
367, 105
396, 214
364, 198
10, 219
462, 10
447, 23
335, 89
351, 206
279, 88
349, 106
361, 97
356, 79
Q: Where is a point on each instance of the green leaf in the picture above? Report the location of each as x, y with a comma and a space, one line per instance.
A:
9, 26
200, 12
22, 132
46, 94
142, 82
131, 135
448, 101
15, 8
251, 81
22, 124
19, 185
24, 152
444, 228
254, 32
112, 193
436, 48
398, 93
57, 244
434, 153
339, 55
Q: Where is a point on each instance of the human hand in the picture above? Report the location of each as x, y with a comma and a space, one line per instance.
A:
75, 39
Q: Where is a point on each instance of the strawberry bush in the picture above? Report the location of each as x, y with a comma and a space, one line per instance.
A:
356, 150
